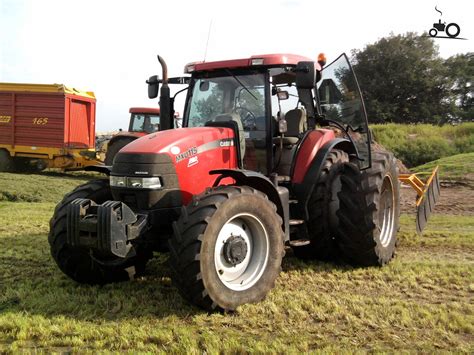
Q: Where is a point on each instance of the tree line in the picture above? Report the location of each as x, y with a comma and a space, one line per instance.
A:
404, 80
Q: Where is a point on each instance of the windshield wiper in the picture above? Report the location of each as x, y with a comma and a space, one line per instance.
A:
246, 89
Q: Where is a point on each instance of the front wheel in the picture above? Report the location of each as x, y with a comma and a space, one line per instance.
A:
433, 32
81, 264
227, 248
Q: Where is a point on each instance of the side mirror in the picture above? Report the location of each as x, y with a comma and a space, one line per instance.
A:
153, 86
283, 95
204, 86
305, 75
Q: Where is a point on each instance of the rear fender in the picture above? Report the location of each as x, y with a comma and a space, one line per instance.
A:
304, 189
278, 195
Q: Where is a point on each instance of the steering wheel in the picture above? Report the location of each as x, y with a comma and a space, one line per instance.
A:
249, 120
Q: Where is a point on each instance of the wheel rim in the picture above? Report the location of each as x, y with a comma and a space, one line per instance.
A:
387, 212
243, 271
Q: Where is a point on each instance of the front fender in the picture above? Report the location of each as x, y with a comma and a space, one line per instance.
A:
277, 194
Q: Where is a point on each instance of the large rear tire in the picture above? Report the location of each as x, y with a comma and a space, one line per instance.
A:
114, 148
369, 211
322, 207
227, 248
80, 264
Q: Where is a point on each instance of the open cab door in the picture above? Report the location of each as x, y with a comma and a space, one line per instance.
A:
341, 104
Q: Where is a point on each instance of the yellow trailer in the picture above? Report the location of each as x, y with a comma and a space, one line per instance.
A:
46, 126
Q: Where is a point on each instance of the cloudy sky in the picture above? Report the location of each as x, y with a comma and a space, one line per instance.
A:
110, 47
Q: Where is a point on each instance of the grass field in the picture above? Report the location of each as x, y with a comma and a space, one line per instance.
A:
421, 302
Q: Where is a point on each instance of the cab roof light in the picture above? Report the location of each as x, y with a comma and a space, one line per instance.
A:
257, 61
322, 59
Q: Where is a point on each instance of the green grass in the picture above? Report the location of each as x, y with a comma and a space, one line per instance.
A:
45, 187
421, 302
456, 168
422, 143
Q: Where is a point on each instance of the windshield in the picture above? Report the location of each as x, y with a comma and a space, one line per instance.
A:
233, 97
341, 101
242, 94
141, 122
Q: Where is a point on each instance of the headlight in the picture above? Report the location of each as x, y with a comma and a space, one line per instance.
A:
118, 181
136, 182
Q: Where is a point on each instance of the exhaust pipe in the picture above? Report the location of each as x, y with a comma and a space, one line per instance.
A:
166, 114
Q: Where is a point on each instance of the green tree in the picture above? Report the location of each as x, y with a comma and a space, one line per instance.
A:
403, 80
460, 71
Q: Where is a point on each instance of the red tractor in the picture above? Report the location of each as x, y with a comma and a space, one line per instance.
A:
274, 152
143, 121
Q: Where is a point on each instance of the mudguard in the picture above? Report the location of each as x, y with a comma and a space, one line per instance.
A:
278, 195
304, 189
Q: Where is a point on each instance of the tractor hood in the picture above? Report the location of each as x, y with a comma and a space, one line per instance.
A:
182, 142
182, 158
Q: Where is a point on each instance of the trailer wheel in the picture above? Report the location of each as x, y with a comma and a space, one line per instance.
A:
115, 147
5, 161
322, 207
369, 211
79, 264
227, 248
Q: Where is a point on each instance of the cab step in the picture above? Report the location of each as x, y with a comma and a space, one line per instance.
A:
299, 242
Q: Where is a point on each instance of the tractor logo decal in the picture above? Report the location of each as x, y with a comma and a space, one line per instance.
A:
226, 142
188, 153
193, 161
452, 29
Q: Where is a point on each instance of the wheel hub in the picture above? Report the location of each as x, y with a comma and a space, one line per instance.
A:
235, 250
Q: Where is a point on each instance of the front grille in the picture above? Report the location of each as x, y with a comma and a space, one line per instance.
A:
147, 165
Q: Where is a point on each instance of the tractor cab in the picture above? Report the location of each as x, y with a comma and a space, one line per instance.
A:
273, 113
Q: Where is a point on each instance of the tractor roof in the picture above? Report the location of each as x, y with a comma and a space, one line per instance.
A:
144, 110
271, 60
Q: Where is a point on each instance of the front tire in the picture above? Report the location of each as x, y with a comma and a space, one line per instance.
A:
227, 248
80, 264
369, 211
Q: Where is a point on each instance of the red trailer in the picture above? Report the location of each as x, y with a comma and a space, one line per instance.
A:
46, 126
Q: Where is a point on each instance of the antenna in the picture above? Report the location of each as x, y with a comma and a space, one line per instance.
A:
207, 43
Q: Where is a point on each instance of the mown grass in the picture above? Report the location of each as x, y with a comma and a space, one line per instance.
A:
421, 302
418, 144
45, 187
459, 167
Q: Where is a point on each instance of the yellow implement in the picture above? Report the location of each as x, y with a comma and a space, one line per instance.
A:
428, 194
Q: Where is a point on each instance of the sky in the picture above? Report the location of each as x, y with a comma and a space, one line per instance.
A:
110, 47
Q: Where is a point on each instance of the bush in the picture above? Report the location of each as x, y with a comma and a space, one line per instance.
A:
418, 144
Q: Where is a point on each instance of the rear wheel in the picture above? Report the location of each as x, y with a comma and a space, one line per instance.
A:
369, 211
322, 207
5, 161
227, 248
81, 264
114, 148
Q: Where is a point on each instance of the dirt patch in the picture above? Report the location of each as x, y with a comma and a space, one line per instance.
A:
454, 200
